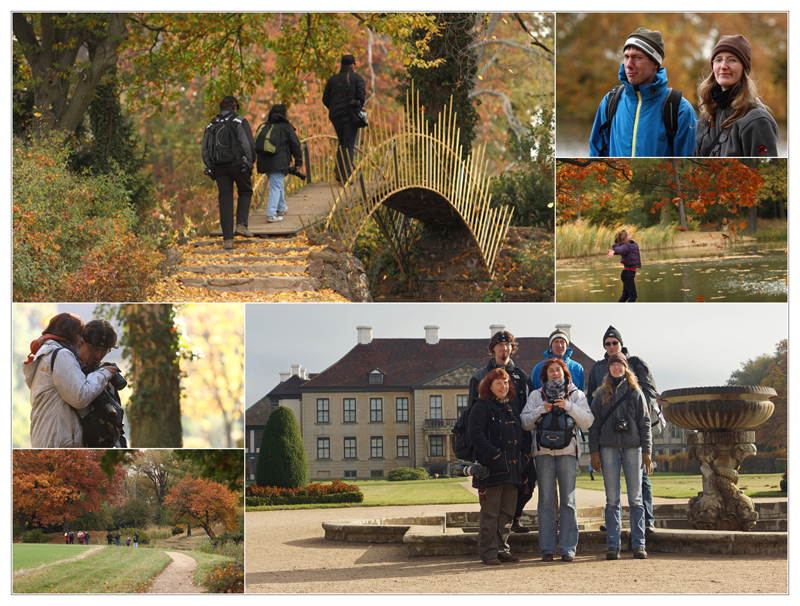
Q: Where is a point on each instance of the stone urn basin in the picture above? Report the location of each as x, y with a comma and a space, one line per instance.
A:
724, 419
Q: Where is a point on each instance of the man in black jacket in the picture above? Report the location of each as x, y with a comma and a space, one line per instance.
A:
344, 94
229, 159
502, 346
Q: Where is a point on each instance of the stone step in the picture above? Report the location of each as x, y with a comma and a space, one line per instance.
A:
264, 268
269, 285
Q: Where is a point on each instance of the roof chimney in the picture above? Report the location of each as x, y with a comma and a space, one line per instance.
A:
364, 335
431, 335
296, 369
565, 328
285, 376
495, 328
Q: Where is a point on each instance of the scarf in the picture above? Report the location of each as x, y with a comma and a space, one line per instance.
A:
37, 343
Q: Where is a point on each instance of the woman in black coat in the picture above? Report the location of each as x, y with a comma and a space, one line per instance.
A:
277, 164
496, 434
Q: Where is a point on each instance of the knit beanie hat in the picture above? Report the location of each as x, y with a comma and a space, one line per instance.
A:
649, 42
558, 334
737, 45
348, 60
612, 332
618, 357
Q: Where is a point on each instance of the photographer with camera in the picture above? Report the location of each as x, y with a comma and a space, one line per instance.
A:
556, 410
495, 432
344, 93
102, 421
620, 439
228, 153
276, 145
60, 390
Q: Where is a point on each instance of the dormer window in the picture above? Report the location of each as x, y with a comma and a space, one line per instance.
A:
376, 377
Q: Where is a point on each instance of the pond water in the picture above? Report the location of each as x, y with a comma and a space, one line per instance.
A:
572, 138
734, 274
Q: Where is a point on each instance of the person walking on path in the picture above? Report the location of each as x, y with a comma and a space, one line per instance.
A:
345, 93
278, 134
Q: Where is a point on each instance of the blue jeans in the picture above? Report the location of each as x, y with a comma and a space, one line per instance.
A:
647, 500
275, 201
548, 469
629, 461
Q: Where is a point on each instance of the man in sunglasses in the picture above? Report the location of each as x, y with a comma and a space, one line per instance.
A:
612, 343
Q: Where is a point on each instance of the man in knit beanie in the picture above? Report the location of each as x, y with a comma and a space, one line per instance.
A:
559, 348
640, 118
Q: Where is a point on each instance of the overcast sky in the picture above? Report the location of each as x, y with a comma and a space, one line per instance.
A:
685, 344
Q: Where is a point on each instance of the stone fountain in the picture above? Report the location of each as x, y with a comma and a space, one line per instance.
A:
724, 419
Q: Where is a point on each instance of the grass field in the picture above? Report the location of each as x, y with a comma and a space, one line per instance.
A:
31, 556
681, 486
420, 492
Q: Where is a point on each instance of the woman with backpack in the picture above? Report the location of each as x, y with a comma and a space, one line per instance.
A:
620, 440
276, 145
733, 120
496, 433
555, 411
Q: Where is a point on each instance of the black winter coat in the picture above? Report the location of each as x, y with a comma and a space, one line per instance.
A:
287, 148
336, 98
496, 434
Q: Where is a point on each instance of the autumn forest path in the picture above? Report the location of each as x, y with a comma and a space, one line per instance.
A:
177, 576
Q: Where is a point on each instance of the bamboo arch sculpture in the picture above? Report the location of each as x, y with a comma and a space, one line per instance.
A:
409, 174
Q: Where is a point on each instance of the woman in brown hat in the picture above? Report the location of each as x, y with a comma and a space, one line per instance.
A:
733, 120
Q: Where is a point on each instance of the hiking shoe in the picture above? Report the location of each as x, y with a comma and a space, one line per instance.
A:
243, 231
567, 558
612, 553
548, 557
519, 528
228, 244
274, 219
492, 562
649, 530
639, 553
507, 557
603, 527
282, 212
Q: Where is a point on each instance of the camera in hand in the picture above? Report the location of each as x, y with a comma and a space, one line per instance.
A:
621, 425
117, 381
472, 469
294, 170
209, 172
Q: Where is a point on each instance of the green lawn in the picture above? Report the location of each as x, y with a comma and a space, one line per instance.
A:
415, 492
31, 556
675, 485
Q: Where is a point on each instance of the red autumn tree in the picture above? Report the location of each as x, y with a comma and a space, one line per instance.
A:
52, 486
203, 503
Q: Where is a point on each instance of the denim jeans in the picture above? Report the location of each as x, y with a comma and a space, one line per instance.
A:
647, 500
275, 201
548, 469
629, 461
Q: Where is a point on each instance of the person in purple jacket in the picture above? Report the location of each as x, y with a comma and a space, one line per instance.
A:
631, 261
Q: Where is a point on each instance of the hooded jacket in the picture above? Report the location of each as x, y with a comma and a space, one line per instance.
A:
497, 436
633, 409
288, 148
629, 251
58, 393
340, 89
753, 135
577, 407
638, 125
575, 369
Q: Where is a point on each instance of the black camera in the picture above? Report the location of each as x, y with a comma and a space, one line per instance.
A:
209, 172
294, 170
117, 381
247, 166
621, 425
472, 469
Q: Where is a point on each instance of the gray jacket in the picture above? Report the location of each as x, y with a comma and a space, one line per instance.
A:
754, 135
633, 410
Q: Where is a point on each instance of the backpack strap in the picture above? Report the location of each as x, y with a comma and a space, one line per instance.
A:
669, 111
615, 406
611, 109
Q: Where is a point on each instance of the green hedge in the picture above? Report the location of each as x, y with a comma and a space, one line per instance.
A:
347, 497
404, 474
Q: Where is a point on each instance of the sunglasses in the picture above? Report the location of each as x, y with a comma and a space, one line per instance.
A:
610, 343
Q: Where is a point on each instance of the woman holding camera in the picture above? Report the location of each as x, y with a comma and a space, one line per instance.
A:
496, 433
59, 389
733, 120
559, 396
620, 439
276, 145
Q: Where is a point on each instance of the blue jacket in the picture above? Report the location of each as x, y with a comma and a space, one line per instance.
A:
638, 126
575, 369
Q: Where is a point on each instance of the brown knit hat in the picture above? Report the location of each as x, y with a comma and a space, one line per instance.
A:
617, 357
649, 42
737, 45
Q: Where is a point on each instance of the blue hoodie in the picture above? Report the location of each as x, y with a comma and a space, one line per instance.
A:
638, 126
575, 369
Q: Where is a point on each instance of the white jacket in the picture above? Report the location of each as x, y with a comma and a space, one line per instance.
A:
57, 395
577, 407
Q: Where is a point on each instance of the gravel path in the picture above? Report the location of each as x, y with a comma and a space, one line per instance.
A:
177, 576
286, 552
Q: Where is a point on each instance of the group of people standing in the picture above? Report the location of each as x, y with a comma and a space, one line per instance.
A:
230, 151
83, 537
644, 117
509, 428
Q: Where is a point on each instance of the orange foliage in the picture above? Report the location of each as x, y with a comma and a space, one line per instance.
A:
204, 503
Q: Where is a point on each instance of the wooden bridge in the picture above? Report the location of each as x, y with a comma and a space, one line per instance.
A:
407, 173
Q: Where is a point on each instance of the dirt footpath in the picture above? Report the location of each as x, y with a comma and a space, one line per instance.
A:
177, 576
286, 552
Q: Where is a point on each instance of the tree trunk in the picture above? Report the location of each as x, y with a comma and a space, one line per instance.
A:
681, 208
155, 407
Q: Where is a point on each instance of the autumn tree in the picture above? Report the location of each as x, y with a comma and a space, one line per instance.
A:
203, 503
54, 486
282, 459
156, 467
155, 406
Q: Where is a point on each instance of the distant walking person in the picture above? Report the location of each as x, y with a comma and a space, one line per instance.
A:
136, 539
276, 145
109, 537
228, 153
344, 94
628, 250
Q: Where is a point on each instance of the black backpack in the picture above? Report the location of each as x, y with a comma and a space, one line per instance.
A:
223, 139
669, 113
555, 429
462, 447
268, 140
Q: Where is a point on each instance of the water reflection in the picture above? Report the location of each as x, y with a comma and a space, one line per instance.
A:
735, 273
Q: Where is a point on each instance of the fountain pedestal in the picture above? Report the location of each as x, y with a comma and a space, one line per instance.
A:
723, 418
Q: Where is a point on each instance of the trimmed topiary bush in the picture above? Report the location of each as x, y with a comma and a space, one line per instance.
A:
403, 474
282, 461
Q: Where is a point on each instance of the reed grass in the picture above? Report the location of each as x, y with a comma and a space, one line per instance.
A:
580, 239
776, 230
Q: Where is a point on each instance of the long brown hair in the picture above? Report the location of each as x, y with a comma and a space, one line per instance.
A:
485, 388
744, 96
608, 385
65, 325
